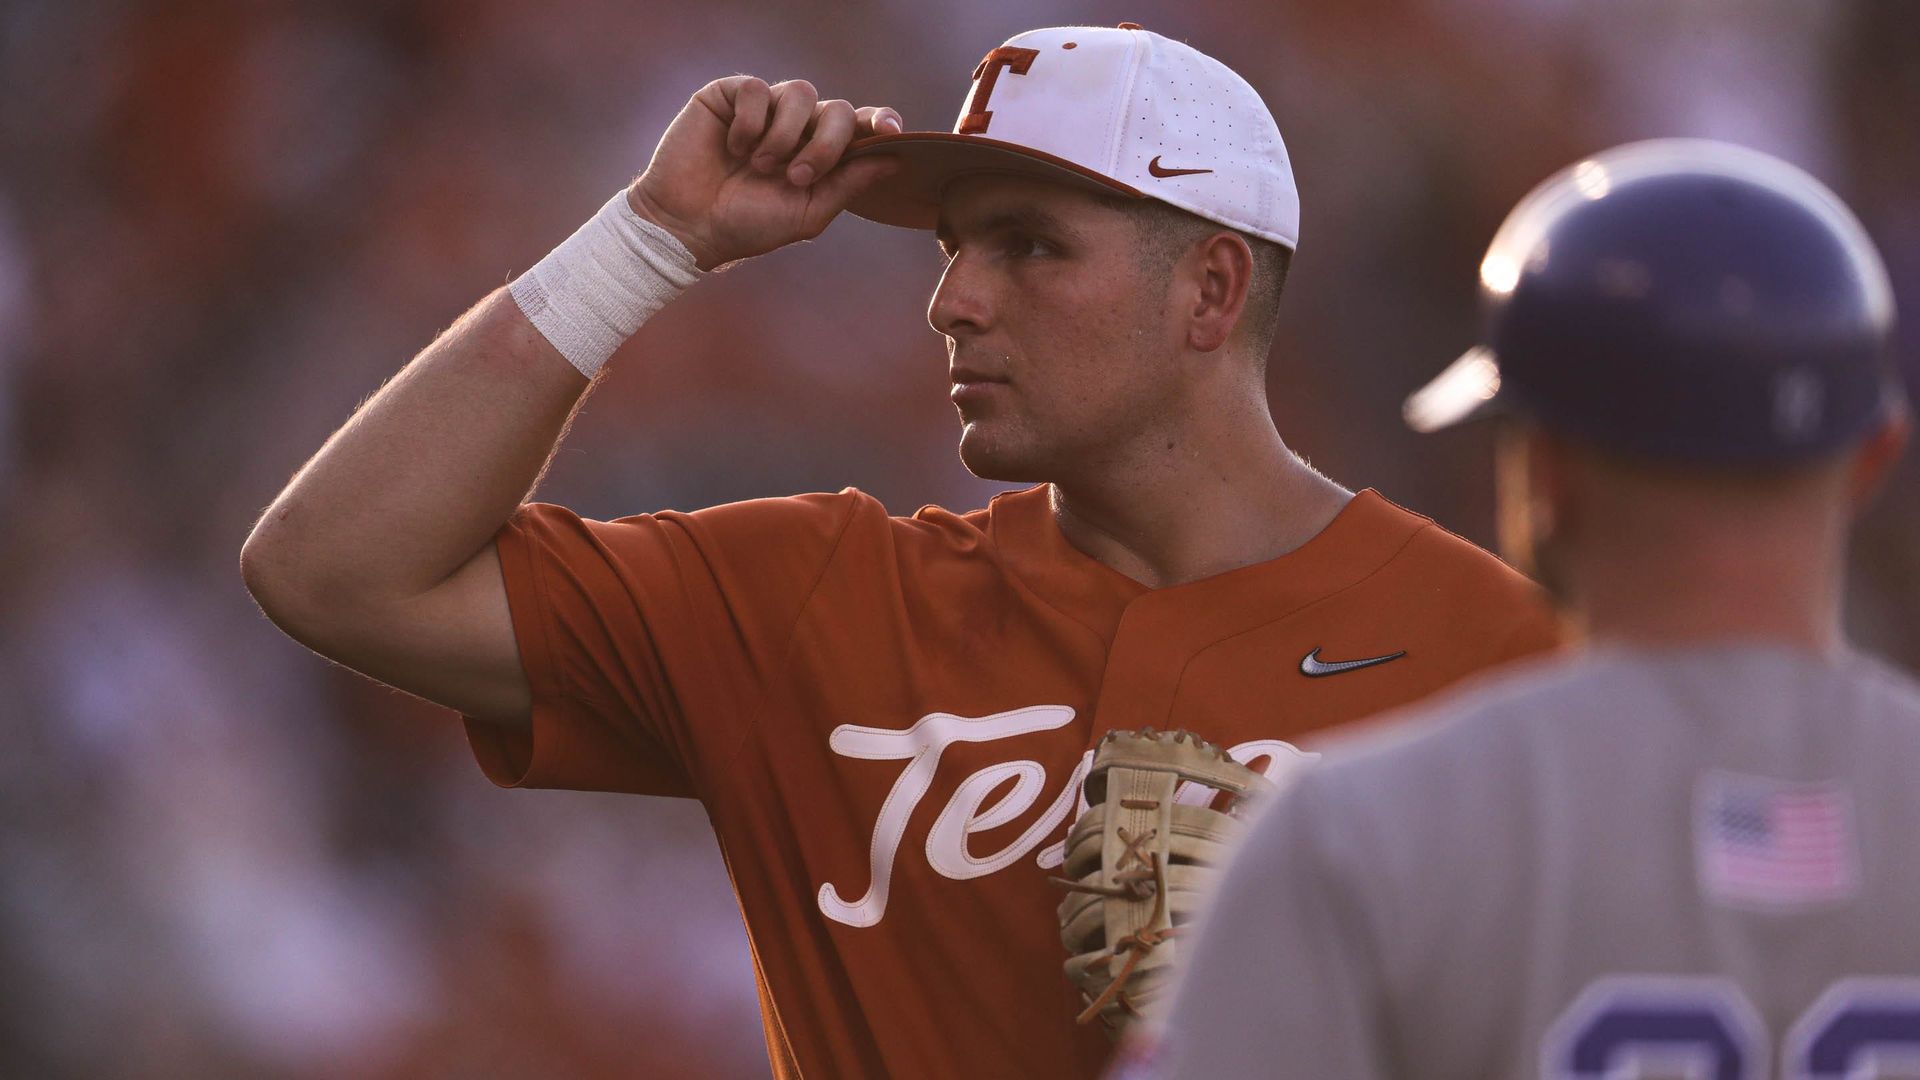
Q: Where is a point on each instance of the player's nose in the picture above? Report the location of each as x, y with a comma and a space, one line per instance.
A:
960, 302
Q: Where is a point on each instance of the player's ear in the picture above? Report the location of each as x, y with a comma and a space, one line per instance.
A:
1223, 267
1875, 458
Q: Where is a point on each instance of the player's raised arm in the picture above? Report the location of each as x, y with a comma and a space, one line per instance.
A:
378, 554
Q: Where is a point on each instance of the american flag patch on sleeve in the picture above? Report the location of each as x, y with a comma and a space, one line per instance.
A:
1774, 844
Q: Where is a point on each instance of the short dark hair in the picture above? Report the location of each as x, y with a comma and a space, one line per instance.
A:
1167, 232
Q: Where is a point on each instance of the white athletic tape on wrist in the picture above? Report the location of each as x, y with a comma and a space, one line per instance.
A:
593, 291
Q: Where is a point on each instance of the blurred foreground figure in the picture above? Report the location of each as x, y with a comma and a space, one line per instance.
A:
1689, 850
888, 719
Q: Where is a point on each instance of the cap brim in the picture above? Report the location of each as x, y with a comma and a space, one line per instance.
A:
932, 159
1468, 389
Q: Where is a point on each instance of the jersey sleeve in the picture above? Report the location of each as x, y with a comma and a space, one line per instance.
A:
648, 640
1281, 981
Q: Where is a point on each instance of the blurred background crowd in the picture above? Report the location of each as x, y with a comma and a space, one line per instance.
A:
223, 224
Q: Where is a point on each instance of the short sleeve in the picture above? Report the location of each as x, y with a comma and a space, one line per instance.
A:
1281, 980
648, 641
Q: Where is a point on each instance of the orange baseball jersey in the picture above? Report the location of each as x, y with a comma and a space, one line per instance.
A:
888, 720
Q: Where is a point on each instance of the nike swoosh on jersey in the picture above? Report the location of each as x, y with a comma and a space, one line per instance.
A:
1313, 667
1159, 170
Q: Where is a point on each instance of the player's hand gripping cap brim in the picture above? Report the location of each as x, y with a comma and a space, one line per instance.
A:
748, 167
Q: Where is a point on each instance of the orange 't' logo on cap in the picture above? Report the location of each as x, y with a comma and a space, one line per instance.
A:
1013, 59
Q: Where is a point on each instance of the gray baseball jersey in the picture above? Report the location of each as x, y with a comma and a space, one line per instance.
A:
1697, 862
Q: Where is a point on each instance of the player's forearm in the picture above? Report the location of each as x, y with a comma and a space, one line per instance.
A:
419, 480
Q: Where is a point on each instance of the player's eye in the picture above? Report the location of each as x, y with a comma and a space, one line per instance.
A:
1026, 245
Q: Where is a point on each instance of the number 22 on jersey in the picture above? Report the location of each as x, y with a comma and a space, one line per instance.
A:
1645, 1027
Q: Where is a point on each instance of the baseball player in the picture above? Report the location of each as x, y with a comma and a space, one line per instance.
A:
888, 718
1690, 850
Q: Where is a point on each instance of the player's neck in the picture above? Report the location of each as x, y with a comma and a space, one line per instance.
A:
1200, 507
1755, 592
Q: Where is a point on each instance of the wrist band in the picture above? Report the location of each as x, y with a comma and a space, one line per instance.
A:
593, 291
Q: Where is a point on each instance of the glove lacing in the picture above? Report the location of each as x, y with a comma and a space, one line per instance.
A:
1133, 884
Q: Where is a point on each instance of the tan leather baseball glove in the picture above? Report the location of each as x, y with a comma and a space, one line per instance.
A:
1138, 863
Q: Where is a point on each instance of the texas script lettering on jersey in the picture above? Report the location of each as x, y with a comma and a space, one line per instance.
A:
921, 745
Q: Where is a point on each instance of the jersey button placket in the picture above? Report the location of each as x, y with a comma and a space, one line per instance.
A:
1143, 667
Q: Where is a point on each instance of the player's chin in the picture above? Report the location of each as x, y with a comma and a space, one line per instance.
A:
991, 452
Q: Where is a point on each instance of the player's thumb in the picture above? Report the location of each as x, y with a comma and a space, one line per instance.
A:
834, 191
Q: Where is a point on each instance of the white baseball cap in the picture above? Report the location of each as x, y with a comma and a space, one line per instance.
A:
1114, 111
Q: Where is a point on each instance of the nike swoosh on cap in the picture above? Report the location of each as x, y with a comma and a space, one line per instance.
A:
1159, 170
1313, 667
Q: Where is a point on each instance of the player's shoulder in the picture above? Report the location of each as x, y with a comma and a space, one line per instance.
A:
1854, 694
1007, 514
1005, 504
1440, 579
807, 521
850, 522
1431, 562
1458, 562
848, 507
